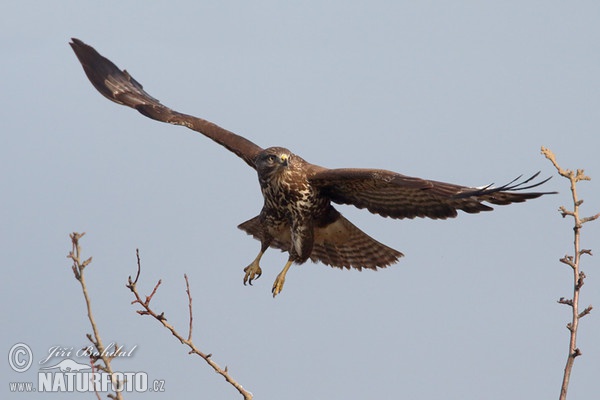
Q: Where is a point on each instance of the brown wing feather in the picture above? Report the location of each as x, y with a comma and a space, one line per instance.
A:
398, 196
120, 87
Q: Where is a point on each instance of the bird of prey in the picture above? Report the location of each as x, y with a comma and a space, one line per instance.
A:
298, 216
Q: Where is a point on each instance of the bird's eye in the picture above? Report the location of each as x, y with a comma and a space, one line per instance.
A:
271, 159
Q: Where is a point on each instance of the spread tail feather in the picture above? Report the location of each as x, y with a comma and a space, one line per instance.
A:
340, 244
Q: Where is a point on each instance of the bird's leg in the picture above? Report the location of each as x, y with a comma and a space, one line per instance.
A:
280, 280
253, 270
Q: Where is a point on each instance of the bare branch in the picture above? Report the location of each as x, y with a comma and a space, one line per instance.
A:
585, 312
592, 218
574, 263
78, 269
139, 267
564, 212
568, 260
187, 290
550, 156
147, 310
568, 302
580, 176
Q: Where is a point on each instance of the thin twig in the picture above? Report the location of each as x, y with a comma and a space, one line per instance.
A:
94, 367
187, 290
78, 269
145, 304
574, 262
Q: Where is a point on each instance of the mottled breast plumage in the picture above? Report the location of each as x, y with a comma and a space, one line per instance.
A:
284, 183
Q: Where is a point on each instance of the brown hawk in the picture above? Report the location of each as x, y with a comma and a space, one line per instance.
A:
297, 215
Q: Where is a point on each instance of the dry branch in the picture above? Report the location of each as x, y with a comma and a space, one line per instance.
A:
101, 355
573, 261
146, 310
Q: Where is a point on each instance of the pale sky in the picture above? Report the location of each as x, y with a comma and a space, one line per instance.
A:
463, 92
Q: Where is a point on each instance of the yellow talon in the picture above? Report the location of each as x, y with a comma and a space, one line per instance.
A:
253, 270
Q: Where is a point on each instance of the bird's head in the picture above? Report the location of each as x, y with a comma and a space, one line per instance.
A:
272, 161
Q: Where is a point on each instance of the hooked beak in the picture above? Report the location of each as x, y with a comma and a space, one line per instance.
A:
284, 160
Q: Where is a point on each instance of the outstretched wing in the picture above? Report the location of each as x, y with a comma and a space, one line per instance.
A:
390, 194
120, 87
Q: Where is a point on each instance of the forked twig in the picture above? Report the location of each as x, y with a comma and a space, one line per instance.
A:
146, 310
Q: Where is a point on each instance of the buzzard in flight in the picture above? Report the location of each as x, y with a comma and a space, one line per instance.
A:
297, 216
